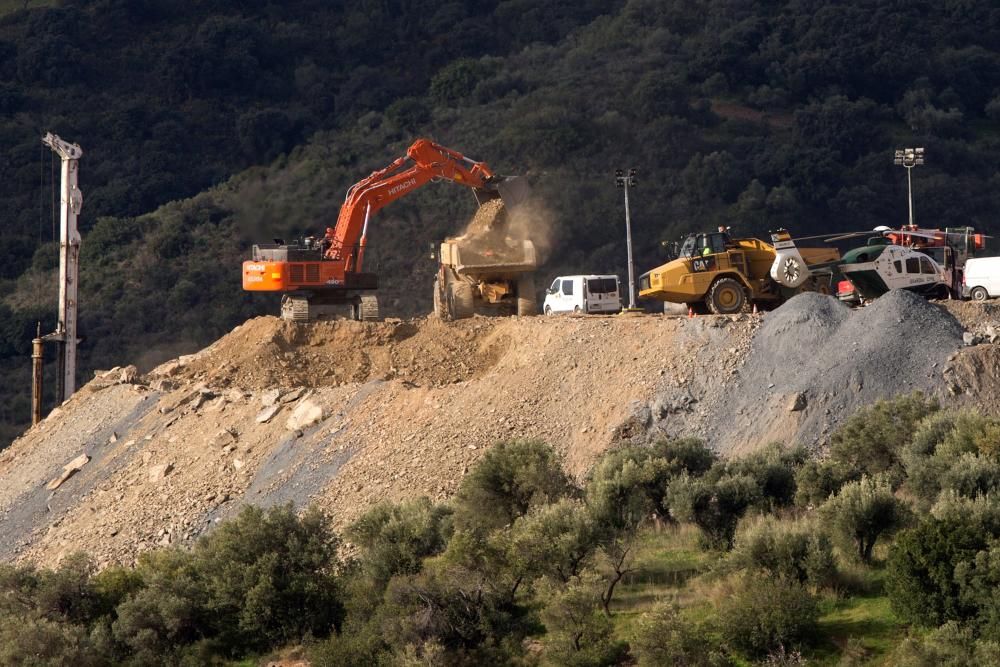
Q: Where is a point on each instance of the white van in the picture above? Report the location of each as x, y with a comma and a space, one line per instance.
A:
583, 294
981, 279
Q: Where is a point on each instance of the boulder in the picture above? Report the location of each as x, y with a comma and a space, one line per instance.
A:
267, 414
270, 397
69, 470
306, 413
158, 472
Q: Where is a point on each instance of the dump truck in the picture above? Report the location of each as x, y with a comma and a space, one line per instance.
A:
490, 268
727, 275
325, 278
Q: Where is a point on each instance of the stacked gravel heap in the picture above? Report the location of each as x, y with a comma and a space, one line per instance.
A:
816, 357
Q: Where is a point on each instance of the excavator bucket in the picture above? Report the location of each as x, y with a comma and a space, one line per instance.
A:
512, 191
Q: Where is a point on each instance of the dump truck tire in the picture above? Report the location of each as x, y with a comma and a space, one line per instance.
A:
526, 303
726, 297
460, 300
439, 309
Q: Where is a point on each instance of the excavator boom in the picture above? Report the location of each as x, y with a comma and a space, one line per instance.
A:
330, 269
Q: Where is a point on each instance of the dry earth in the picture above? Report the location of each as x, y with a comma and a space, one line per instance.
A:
346, 414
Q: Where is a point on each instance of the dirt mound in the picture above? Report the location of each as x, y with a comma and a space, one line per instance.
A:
267, 352
346, 414
814, 361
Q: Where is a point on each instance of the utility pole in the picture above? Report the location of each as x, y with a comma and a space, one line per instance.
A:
70, 203
626, 182
909, 158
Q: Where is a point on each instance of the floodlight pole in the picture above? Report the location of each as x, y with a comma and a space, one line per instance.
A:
626, 182
909, 158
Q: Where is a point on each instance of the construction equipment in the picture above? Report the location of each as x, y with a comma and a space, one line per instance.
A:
325, 278
728, 275
70, 203
490, 268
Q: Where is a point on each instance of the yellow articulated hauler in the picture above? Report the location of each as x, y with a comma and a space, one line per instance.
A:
727, 275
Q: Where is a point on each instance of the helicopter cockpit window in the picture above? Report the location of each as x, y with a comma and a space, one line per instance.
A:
912, 265
899, 266
926, 266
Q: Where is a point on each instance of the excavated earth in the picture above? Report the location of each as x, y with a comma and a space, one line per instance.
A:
346, 414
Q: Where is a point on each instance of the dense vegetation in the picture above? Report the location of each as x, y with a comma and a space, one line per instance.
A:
664, 555
735, 112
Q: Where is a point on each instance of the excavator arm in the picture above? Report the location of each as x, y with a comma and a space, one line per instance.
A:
424, 162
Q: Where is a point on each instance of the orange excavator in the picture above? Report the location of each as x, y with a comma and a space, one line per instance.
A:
325, 278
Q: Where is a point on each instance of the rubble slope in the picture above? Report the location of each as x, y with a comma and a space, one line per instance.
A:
345, 414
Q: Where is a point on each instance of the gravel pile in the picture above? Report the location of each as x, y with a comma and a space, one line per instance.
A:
814, 362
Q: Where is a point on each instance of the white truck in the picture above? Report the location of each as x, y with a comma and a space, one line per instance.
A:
981, 278
583, 294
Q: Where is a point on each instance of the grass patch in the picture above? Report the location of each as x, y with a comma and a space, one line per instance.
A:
863, 628
665, 560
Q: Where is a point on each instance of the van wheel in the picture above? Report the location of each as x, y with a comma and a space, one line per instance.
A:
726, 297
979, 294
548, 310
576, 309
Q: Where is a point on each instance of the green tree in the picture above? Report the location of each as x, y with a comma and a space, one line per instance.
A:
715, 505
863, 511
556, 541
394, 539
577, 631
870, 442
510, 479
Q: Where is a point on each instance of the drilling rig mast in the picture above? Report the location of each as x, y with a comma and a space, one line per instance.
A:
70, 202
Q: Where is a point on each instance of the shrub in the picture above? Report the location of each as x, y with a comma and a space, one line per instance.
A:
510, 479
767, 615
773, 469
38, 641
870, 441
815, 482
393, 539
921, 579
863, 511
783, 549
269, 576
950, 645
578, 632
664, 637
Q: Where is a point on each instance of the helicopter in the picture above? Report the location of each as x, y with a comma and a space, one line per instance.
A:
926, 261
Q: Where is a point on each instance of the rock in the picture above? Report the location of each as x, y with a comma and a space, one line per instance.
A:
69, 470
306, 413
128, 375
970, 339
234, 395
798, 402
237, 464
267, 414
271, 397
162, 385
293, 395
158, 472
113, 439
223, 439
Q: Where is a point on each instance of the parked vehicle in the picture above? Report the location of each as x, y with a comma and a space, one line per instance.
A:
981, 279
583, 294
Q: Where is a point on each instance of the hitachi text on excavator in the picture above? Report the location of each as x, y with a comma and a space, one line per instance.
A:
325, 278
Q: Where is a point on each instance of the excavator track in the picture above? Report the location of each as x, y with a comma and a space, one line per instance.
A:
295, 308
367, 308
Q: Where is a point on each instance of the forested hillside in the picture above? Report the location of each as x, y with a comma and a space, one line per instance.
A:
750, 114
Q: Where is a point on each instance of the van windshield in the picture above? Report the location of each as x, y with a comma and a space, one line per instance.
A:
602, 286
